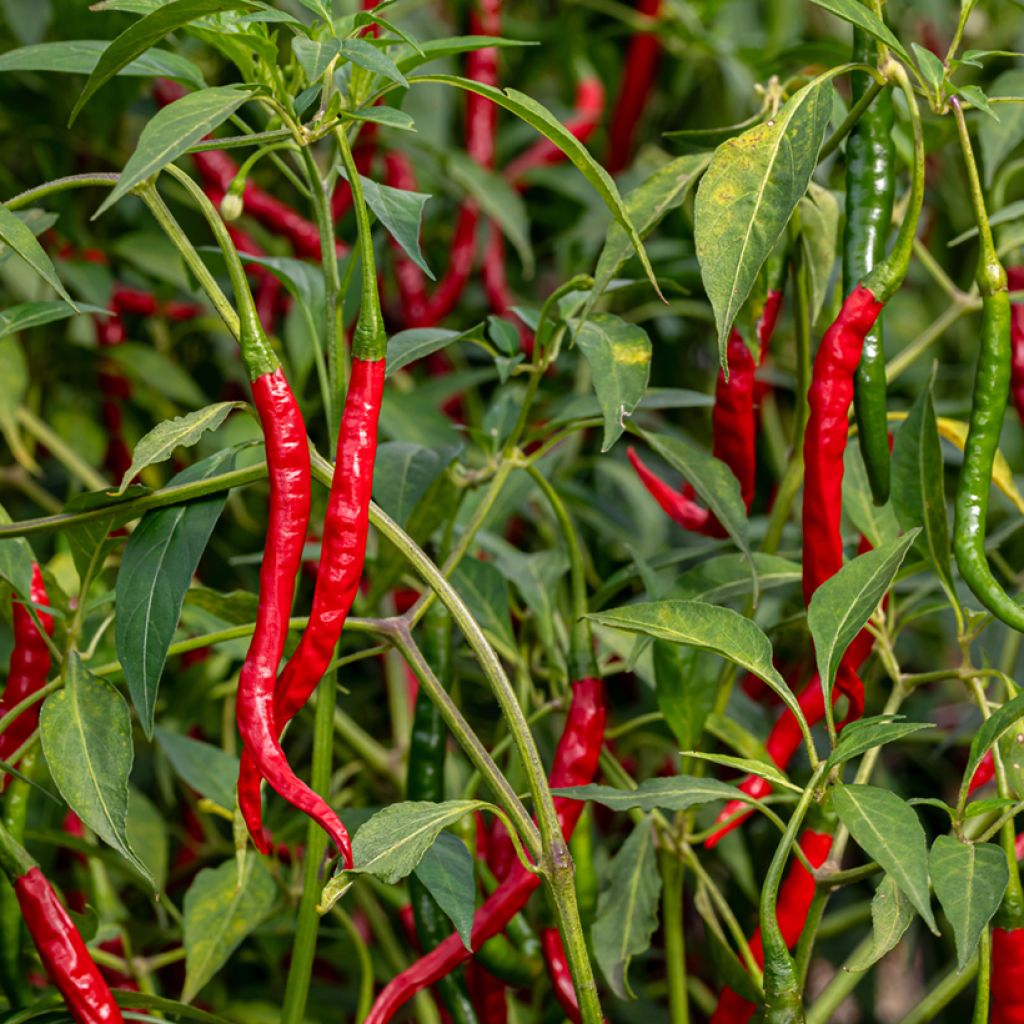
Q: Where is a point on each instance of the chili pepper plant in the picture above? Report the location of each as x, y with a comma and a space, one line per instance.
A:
509, 511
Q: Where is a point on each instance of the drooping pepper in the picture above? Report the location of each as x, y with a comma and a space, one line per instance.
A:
343, 549
574, 764
795, 897
29, 667
1007, 993
558, 971
424, 780
870, 184
1015, 282
638, 72
57, 940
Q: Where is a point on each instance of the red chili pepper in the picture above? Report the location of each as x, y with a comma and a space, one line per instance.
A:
341, 565
558, 970
1007, 1005
1015, 282
983, 773
677, 505
639, 69
29, 667
795, 896
487, 994
575, 764
734, 418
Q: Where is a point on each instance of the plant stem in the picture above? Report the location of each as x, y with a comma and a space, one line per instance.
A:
832, 142
300, 971
67, 456
675, 941
841, 985
942, 994
51, 188
365, 962
984, 985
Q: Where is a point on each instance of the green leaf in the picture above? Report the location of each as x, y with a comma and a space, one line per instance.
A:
918, 495
401, 213
678, 793
748, 194
210, 771
646, 206
370, 58
709, 627
150, 368
394, 840
627, 909
764, 769
998, 139
686, 696
932, 69
80, 56
887, 830
619, 355
991, 729
819, 228
16, 560
15, 233
411, 57
891, 915
842, 604
171, 131
86, 733
728, 576
314, 55
142, 35
447, 872
407, 347
389, 117
147, 835
863, 735
145, 1001
156, 570
863, 17
181, 432
35, 314
969, 881
403, 473
540, 118
485, 591
715, 484
221, 910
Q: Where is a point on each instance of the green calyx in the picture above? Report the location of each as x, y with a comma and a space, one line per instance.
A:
15, 860
885, 279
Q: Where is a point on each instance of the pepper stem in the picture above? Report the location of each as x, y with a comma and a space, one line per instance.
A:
370, 340
888, 275
259, 357
15, 860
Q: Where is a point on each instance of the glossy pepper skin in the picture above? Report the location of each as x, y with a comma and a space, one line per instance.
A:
991, 390
575, 764
795, 897
1007, 994
29, 667
734, 417
870, 184
342, 554
425, 781
558, 971
640, 67
63, 952
1015, 282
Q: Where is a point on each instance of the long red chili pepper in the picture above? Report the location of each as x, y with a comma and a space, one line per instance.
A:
29, 667
1007, 995
575, 764
639, 69
57, 940
343, 549
795, 897
1015, 282
558, 970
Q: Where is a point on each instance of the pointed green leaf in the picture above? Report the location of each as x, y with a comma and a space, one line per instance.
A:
678, 793
369, 57
991, 729
80, 56
891, 915
15, 233
887, 829
863, 17
863, 735
36, 314
210, 771
447, 873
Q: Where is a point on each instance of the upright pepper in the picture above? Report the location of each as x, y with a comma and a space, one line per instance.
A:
988, 407
424, 780
870, 184
57, 940
575, 763
29, 667
795, 897
343, 549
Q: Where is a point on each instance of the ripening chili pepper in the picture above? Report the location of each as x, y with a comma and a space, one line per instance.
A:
870, 184
1015, 282
29, 667
343, 549
1007, 993
575, 764
795, 897
558, 971
424, 780
57, 940
638, 71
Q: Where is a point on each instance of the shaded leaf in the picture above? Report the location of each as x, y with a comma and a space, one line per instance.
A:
447, 872
891, 915
678, 793
210, 771
15, 233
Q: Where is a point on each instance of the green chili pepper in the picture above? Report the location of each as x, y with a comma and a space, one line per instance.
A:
425, 781
13, 978
870, 183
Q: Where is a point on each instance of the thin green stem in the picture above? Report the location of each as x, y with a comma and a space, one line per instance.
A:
944, 992
58, 185
675, 941
64, 454
924, 341
856, 111
984, 985
365, 1000
843, 982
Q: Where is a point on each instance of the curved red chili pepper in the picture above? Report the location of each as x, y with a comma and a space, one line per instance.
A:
639, 69
983, 773
677, 505
29, 667
734, 418
64, 953
341, 565
1015, 281
558, 971
1007, 1006
575, 764
487, 994
795, 897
